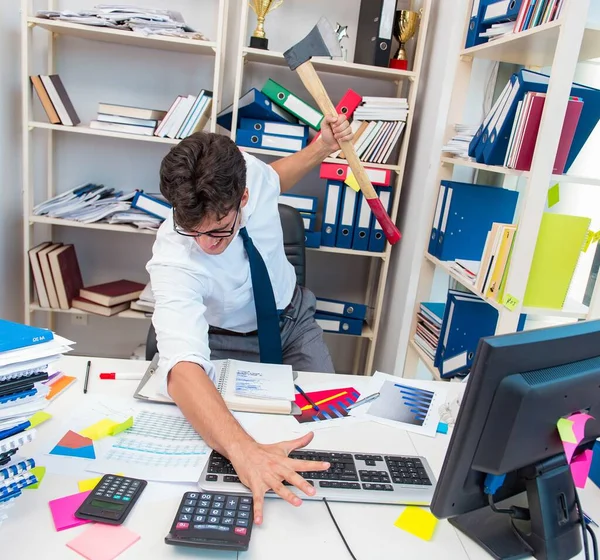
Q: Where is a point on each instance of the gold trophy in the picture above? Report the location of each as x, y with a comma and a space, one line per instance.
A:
405, 26
261, 9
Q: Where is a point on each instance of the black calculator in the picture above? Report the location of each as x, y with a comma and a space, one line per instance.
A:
111, 499
210, 520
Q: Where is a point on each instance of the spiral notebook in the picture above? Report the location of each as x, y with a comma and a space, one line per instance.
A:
244, 386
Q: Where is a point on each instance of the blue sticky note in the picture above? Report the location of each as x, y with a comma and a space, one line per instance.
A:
442, 428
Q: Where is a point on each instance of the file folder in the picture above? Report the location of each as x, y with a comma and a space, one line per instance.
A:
435, 226
290, 102
374, 33
467, 217
255, 139
347, 105
376, 235
300, 202
497, 11
343, 308
341, 325
345, 231
331, 212
339, 172
473, 37
309, 221
279, 129
312, 239
362, 227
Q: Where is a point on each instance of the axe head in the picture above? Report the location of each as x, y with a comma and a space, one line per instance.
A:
321, 41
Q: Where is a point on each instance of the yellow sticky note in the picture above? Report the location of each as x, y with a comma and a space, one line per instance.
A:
589, 238
417, 521
118, 428
565, 429
510, 302
90, 483
39, 473
99, 430
553, 195
351, 181
39, 418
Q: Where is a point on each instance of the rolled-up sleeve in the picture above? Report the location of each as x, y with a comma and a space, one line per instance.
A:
179, 313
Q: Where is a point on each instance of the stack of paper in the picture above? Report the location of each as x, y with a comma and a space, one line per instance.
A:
459, 143
145, 303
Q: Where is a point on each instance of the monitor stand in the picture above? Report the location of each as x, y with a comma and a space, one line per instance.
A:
554, 531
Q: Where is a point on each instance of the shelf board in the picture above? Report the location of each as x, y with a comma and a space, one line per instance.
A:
107, 35
569, 179
353, 252
571, 309
330, 65
72, 311
426, 360
97, 225
533, 47
278, 154
82, 129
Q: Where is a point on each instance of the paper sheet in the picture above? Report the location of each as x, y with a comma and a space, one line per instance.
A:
63, 511
417, 521
103, 542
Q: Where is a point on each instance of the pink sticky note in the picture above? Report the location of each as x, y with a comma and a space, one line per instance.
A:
103, 542
580, 468
63, 511
579, 421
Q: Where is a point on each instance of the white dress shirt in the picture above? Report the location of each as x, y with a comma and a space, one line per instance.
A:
194, 290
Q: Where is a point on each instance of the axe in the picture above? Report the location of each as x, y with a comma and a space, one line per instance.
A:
322, 41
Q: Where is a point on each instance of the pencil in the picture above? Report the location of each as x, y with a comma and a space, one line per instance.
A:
308, 400
87, 376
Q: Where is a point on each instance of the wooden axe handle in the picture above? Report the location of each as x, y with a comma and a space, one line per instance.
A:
313, 84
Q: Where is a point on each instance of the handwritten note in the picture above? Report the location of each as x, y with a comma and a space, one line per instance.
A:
417, 521
510, 302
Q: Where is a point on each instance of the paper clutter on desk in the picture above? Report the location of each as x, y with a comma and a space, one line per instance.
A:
63, 511
417, 521
39, 473
103, 542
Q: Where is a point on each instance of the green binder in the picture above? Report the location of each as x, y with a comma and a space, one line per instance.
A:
290, 102
557, 250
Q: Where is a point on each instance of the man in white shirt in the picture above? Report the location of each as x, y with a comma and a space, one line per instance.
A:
224, 232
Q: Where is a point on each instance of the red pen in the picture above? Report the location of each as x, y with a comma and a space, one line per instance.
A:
122, 376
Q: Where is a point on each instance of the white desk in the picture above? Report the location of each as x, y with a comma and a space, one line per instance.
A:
287, 533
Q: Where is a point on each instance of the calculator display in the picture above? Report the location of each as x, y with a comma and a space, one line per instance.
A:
107, 505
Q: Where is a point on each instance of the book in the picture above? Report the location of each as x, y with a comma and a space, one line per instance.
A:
112, 293
45, 100
16, 335
133, 112
49, 284
60, 100
125, 128
66, 274
36, 272
92, 307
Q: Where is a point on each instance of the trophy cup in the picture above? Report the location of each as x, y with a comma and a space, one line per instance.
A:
261, 9
405, 26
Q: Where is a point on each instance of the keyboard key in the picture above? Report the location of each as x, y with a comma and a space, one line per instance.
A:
206, 496
187, 509
192, 496
232, 502
231, 513
182, 526
204, 503
219, 498
229, 478
214, 519
227, 521
201, 511
242, 522
243, 515
185, 517
240, 530
212, 477
199, 518
246, 500
218, 505
370, 462
244, 507
216, 512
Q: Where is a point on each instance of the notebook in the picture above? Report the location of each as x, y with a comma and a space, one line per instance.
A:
271, 386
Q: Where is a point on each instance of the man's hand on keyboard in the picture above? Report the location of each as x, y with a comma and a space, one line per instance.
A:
263, 467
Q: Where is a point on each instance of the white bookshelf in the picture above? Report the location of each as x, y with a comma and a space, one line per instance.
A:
407, 84
53, 30
559, 44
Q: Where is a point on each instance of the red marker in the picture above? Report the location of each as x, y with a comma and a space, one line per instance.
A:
122, 376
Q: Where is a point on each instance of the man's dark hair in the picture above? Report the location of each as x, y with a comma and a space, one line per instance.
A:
203, 176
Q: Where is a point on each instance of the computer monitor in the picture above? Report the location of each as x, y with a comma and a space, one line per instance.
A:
519, 386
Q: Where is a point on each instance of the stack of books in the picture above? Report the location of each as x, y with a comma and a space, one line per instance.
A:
54, 99
126, 119
429, 325
109, 298
26, 354
537, 12
458, 145
186, 115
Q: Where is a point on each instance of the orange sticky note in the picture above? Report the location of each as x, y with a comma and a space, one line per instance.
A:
351, 181
417, 521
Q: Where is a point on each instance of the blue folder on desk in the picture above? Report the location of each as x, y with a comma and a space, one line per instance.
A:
16, 335
331, 212
468, 215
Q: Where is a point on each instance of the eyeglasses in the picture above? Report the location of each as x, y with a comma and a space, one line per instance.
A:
217, 233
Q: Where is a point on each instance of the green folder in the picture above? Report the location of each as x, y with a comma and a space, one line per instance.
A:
293, 104
557, 250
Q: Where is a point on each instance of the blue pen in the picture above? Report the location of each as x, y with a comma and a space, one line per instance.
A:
589, 520
308, 400
14, 430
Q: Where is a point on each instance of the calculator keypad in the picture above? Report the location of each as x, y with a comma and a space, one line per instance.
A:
117, 488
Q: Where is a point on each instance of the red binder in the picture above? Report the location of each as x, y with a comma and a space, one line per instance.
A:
346, 106
339, 172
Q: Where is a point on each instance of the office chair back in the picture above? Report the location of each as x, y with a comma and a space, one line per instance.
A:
293, 245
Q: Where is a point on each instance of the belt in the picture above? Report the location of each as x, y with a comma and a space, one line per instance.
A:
226, 332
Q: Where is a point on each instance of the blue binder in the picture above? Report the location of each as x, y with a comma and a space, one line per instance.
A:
437, 218
467, 217
376, 236
331, 212
264, 141
337, 324
498, 11
362, 229
280, 129
342, 308
309, 221
473, 37
300, 202
16, 335
345, 229
312, 239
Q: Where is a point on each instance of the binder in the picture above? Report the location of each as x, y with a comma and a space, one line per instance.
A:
467, 217
254, 104
345, 230
16, 335
331, 212
497, 11
290, 102
473, 37
276, 128
362, 229
435, 226
376, 236
341, 325
374, 33
300, 202
347, 105
312, 239
309, 221
254, 139
339, 172
151, 205
343, 308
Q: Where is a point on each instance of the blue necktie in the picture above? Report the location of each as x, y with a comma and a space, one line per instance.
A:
267, 317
